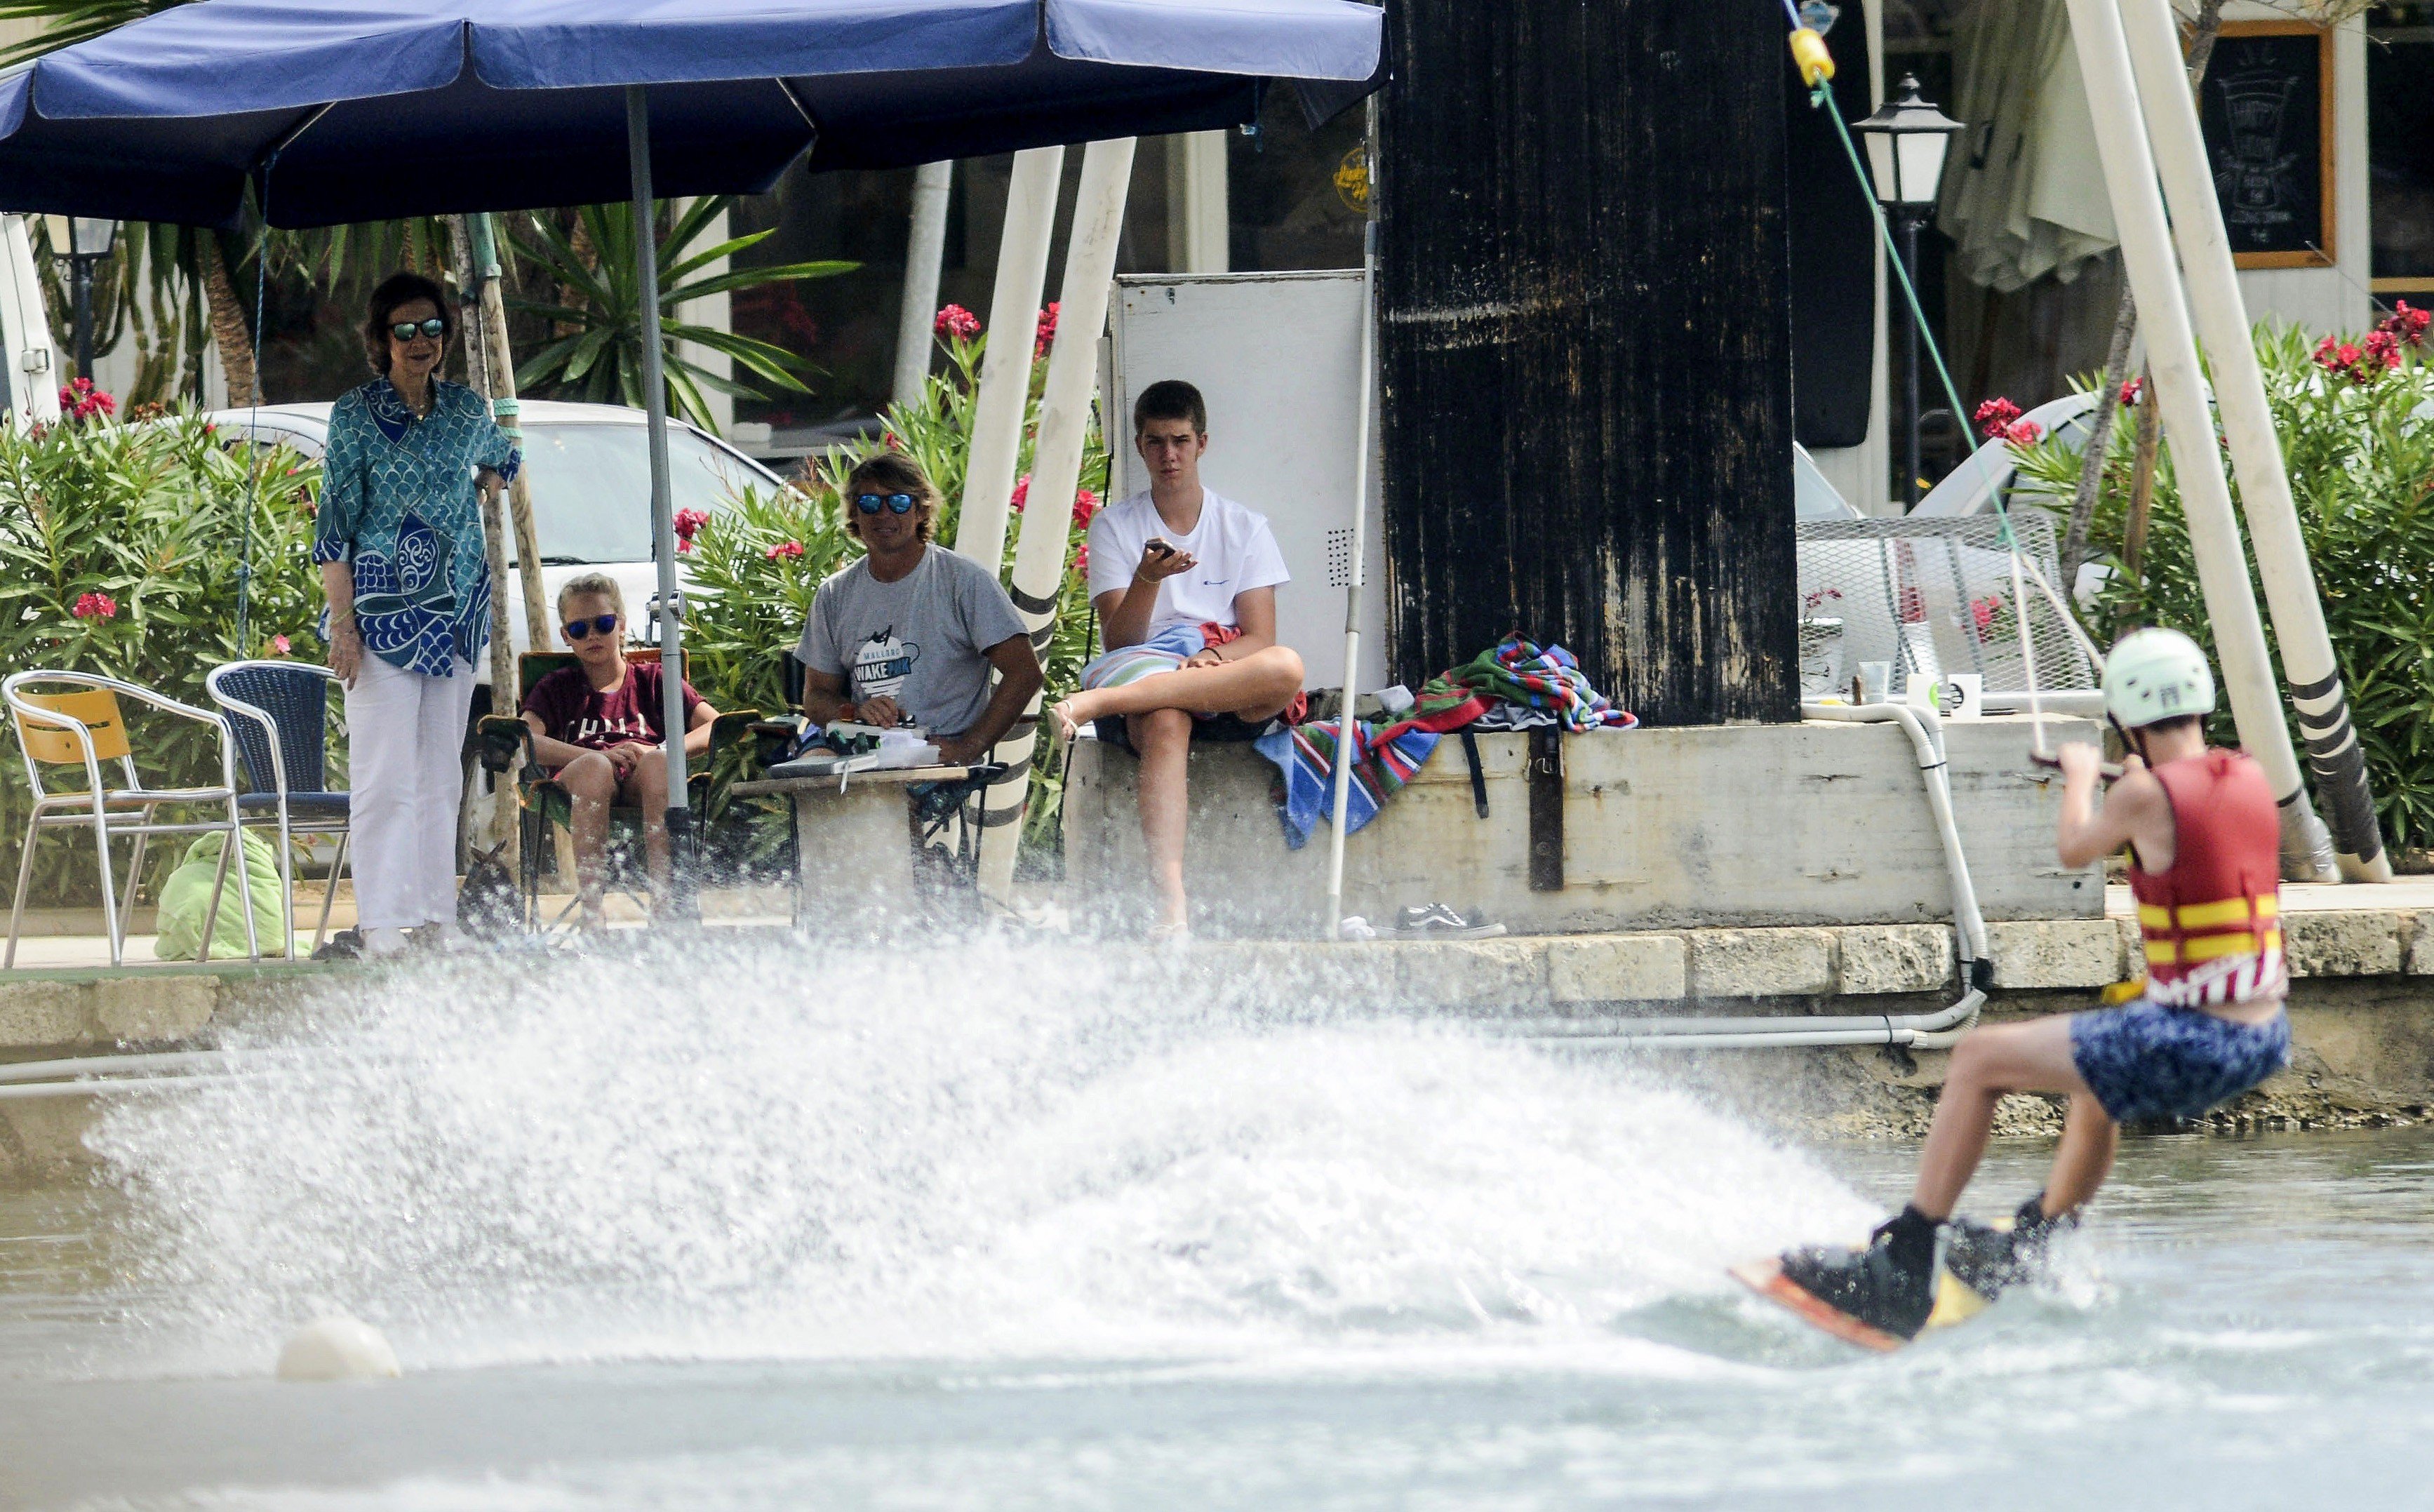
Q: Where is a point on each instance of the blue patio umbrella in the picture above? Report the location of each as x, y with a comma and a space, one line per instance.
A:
340, 111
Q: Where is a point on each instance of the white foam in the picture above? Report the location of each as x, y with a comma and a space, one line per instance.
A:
996, 1151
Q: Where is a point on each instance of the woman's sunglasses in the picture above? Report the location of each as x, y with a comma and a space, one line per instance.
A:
407, 330
586, 629
899, 503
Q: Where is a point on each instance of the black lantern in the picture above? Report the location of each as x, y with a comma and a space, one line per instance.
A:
83, 240
1906, 141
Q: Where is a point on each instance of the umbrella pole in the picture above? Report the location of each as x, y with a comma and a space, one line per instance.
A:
1347, 737
680, 903
933, 184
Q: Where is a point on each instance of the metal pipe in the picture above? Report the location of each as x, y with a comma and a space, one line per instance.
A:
2222, 319
1927, 739
1065, 404
680, 903
1348, 734
1924, 1031
1005, 366
2188, 422
924, 246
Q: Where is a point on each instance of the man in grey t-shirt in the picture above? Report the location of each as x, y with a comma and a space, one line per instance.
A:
910, 633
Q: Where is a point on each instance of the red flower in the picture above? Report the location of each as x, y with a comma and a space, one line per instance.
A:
894, 443
955, 323
1086, 505
2130, 390
1082, 559
279, 645
2362, 363
1021, 493
1046, 331
1994, 415
784, 551
95, 606
2024, 433
2405, 324
689, 521
81, 400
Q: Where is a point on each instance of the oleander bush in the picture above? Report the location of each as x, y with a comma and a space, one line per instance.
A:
120, 548
2357, 419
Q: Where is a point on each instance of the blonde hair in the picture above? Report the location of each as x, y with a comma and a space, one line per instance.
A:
599, 584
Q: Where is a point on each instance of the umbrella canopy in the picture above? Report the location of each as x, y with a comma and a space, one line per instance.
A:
346, 111
340, 111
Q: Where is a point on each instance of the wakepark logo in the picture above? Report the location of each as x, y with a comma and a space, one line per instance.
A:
882, 664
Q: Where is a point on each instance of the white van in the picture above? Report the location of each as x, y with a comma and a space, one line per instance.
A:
30, 367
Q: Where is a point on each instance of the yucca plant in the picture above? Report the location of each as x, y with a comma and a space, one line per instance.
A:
599, 357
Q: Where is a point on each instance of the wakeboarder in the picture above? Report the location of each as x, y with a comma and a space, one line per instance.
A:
2206, 1024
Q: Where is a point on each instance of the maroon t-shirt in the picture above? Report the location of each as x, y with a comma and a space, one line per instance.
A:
572, 711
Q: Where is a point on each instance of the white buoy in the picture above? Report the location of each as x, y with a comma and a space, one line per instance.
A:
336, 1347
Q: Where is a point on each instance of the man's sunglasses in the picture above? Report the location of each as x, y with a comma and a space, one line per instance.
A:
407, 330
586, 629
899, 503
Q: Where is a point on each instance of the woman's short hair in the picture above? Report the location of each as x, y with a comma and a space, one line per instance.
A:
891, 473
598, 584
395, 291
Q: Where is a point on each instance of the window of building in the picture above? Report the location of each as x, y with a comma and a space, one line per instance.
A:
2400, 147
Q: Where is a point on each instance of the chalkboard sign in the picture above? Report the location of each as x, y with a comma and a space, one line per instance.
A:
2267, 106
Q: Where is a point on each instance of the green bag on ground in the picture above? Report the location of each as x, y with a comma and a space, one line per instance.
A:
187, 896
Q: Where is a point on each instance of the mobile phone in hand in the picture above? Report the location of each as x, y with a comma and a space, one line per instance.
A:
1158, 547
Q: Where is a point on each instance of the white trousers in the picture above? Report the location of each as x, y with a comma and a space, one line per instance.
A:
405, 739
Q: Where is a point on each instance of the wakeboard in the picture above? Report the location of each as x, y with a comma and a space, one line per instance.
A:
1954, 1304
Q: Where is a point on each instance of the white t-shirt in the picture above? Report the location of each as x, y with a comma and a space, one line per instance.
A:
1235, 550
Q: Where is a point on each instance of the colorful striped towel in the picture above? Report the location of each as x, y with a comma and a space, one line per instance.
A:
1384, 758
1520, 671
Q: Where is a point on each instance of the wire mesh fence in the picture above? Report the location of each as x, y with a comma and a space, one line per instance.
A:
1926, 598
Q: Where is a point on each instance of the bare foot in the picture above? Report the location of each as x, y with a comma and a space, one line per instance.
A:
1068, 721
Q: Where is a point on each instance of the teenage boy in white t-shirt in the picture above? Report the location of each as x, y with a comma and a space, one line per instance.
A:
1179, 554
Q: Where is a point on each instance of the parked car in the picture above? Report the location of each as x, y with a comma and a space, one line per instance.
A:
588, 470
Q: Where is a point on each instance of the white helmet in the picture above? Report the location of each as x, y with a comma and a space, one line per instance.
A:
2155, 675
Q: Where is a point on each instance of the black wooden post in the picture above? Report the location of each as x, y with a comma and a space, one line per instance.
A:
1584, 333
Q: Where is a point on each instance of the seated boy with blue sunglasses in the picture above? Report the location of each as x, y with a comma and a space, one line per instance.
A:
601, 725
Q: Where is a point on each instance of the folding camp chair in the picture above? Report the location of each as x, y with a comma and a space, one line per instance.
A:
543, 802
84, 729
279, 715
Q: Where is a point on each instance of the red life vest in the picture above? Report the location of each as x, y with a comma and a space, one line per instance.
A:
2212, 920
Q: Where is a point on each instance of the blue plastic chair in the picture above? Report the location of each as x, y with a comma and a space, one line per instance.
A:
278, 715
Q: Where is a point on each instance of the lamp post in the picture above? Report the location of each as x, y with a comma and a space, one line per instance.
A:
83, 240
1907, 139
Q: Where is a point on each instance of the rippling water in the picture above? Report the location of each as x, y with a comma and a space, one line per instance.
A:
795, 1230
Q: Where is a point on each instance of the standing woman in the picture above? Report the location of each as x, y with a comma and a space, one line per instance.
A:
399, 538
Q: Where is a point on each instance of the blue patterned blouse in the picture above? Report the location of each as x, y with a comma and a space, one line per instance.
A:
398, 502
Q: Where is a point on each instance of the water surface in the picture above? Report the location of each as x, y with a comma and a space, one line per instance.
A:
835, 1242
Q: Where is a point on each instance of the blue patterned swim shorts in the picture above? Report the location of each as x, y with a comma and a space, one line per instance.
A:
2146, 1063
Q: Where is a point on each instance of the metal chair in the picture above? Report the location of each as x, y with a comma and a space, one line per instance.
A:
85, 729
279, 716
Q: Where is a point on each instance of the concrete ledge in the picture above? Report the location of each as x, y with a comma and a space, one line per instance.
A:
1619, 968
2085, 953
1894, 958
1750, 963
2362, 943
